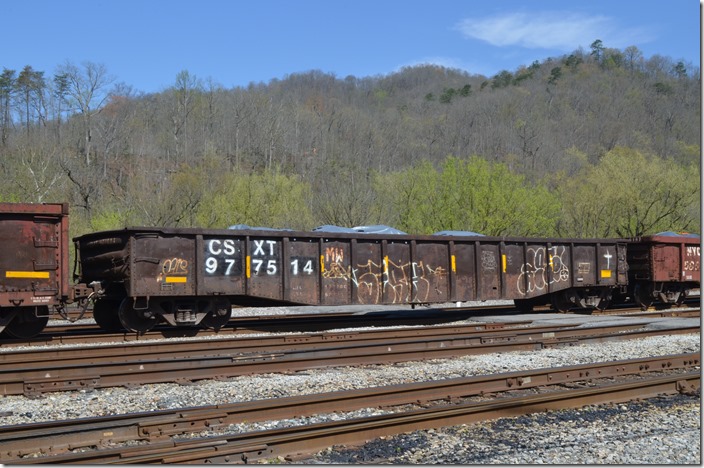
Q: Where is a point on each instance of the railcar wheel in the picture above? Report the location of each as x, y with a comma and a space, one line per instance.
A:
133, 319
643, 295
219, 316
27, 324
680, 299
561, 302
105, 314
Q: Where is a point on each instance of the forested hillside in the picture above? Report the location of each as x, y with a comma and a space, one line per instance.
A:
596, 143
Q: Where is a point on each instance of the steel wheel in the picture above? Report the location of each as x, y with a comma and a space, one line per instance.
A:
133, 319
219, 316
561, 302
27, 324
105, 314
643, 295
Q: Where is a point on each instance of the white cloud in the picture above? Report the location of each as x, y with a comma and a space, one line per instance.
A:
549, 30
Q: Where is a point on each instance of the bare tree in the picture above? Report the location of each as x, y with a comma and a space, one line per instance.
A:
87, 92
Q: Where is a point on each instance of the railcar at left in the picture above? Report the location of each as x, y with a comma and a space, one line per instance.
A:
34, 266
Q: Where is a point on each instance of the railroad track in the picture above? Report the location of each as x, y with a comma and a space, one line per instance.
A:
36, 371
88, 333
62, 333
156, 431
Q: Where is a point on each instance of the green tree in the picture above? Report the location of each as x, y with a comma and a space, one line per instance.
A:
269, 199
597, 50
7, 87
629, 194
30, 86
469, 195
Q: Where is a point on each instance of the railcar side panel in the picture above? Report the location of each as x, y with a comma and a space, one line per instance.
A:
263, 267
336, 272
222, 265
34, 262
429, 272
303, 272
162, 265
559, 267
488, 264
398, 268
464, 271
366, 282
665, 262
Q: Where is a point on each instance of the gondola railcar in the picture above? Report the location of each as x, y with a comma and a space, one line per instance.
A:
194, 276
34, 278
663, 267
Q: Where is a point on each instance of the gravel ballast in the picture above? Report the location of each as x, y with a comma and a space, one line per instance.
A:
661, 431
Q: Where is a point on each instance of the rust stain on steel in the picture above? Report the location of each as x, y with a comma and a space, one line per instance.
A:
34, 264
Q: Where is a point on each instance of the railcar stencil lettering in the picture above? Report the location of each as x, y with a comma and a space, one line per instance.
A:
302, 265
223, 257
265, 257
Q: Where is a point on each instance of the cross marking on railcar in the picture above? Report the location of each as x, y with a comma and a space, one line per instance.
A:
608, 257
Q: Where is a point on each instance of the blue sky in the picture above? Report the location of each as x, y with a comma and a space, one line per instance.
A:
146, 43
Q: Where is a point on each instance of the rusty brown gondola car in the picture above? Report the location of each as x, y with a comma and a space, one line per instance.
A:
34, 277
663, 267
194, 276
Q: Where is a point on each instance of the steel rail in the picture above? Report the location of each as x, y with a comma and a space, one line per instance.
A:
241, 346
74, 334
81, 333
47, 437
16, 381
300, 440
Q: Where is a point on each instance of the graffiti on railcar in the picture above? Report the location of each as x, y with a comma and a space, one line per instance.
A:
173, 270
488, 261
536, 274
401, 283
385, 282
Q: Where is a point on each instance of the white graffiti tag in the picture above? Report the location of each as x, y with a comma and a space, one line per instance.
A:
534, 274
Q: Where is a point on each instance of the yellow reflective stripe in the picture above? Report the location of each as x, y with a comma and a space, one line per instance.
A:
503, 263
176, 279
27, 274
322, 264
454, 264
386, 264
606, 273
248, 267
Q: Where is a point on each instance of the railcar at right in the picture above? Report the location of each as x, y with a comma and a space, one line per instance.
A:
663, 267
